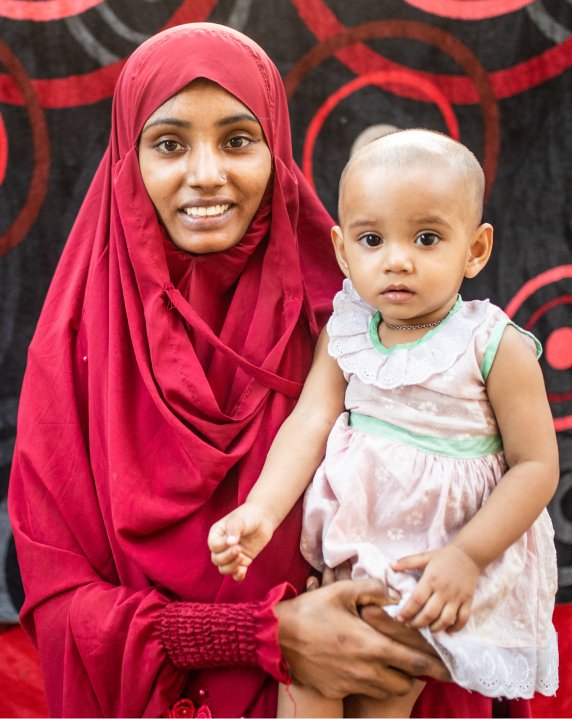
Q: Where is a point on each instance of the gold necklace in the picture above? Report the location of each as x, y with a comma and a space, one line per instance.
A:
413, 327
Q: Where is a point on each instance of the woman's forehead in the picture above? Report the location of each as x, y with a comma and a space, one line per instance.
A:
202, 99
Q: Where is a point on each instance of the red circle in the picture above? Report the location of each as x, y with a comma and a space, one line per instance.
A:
41, 141
469, 9
381, 77
92, 87
45, 10
546, 307
529, 288
3, 150
558, 348
534, 284
323, 23
421, 32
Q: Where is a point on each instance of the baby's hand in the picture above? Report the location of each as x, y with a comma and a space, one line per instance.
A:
235, 540
442, 598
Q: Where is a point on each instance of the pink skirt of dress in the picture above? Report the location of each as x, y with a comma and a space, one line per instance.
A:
374, 500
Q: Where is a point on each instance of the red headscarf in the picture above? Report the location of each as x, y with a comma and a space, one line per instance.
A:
155, 383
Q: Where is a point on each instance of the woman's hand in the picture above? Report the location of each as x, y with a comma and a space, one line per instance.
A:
443, 596
329, 647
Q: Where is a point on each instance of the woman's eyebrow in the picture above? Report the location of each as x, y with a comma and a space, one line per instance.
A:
176, 122
237, 118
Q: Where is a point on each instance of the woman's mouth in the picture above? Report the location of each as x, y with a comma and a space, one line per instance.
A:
206, 211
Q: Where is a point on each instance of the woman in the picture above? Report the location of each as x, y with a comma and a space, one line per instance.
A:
174, 340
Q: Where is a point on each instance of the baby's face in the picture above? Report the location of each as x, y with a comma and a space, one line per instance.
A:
405, 237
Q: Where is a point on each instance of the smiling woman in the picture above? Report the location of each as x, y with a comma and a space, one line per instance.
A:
205, 164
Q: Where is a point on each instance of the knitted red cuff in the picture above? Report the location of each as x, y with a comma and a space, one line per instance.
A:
208, 636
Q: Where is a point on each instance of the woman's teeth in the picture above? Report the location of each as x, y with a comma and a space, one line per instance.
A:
210, 211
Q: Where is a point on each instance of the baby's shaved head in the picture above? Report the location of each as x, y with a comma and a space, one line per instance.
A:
407, 148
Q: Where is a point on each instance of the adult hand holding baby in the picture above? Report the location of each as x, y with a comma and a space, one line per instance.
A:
343, 614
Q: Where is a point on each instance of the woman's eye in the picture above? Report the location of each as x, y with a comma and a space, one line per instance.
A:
427, 239
168, 146
370, 240
238, 142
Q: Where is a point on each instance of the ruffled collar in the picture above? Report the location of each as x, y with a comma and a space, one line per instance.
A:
355, 344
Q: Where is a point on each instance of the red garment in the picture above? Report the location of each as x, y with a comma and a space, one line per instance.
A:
155, 384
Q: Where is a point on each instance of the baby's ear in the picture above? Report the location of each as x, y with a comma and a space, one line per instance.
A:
338, 242
480, 250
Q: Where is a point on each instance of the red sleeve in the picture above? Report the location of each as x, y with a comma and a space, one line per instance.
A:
209, 636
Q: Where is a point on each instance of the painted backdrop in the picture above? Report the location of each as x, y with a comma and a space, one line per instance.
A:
495, 74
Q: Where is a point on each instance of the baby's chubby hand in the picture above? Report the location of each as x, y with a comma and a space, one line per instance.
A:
236, 539
443, 596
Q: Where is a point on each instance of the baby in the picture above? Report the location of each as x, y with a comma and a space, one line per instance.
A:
441, 455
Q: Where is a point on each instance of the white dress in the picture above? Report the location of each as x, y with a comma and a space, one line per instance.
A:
411, 461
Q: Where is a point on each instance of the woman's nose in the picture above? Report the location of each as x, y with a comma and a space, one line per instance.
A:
204, 167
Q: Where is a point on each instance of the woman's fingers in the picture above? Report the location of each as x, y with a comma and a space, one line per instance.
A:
343, 571
329, 576
424, 660
328, 646
312, 583
374, 679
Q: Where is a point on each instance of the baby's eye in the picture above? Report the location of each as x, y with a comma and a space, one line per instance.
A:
168, 146
427, 239
238, 142
370, 240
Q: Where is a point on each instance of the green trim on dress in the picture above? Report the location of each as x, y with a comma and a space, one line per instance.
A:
377, 319
459, 448
494, 342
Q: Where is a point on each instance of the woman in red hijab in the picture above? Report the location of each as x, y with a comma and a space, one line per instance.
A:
176, 334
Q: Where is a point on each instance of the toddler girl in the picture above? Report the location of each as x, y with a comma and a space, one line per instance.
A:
439, 467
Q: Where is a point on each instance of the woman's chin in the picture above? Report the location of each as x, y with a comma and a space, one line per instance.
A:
205, 242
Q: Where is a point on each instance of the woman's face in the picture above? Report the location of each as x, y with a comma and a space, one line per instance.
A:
205, 163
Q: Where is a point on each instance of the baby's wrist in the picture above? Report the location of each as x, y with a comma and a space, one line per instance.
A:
265, 513
479, 563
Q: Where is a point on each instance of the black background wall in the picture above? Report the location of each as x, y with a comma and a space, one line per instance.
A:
494, 73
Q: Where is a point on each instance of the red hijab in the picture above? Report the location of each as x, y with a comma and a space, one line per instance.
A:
156, 381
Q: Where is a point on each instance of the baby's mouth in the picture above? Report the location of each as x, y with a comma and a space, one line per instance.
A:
397, 293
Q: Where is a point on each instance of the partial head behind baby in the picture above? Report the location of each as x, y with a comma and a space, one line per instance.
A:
410, 227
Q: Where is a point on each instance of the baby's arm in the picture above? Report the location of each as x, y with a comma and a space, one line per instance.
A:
296, 452
515, 386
